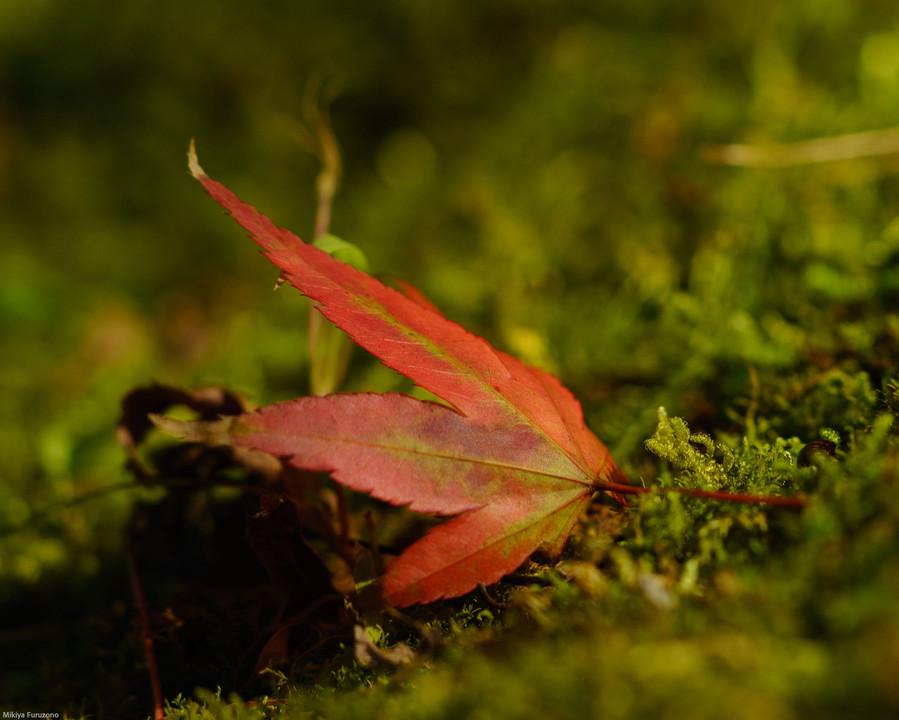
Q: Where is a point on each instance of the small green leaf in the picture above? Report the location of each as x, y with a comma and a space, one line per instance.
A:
342, 250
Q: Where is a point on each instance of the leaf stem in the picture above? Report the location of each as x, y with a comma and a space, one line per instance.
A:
792, 502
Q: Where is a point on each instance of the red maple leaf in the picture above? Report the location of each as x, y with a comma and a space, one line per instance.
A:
509, 454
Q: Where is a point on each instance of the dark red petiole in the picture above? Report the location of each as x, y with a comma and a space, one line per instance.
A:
619, 488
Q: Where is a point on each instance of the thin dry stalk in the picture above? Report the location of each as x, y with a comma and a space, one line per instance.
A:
819, 150
137, 589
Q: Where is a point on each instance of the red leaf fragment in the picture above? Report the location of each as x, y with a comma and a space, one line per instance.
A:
511, 456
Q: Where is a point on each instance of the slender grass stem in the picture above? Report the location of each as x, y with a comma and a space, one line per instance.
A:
137, 589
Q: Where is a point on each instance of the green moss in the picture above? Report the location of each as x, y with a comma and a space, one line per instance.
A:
691, 454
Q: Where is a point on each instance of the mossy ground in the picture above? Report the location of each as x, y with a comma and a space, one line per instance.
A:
537, 170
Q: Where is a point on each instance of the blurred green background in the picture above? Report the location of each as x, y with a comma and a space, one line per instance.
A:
534, 167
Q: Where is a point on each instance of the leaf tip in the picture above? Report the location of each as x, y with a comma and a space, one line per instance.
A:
192, 163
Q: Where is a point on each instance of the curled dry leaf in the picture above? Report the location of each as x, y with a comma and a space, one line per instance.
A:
142, 408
